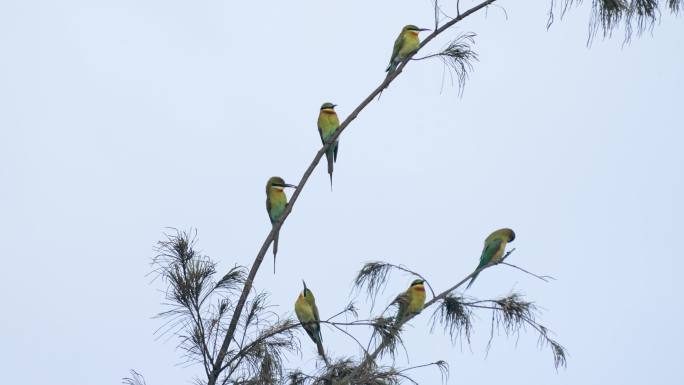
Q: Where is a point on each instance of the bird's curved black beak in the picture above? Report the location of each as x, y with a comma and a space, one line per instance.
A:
304, 286
424, 29
334, 105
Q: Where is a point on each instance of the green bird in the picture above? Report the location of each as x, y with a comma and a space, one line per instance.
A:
307, 314
407, 42
328, 122
276, 202
493, 251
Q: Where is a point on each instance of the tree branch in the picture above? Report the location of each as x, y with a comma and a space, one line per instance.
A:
218, 363
544, 278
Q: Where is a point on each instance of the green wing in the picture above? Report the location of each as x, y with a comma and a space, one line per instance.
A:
397, 47
403, 301
320, 133
268, 209
318, 326
315, 312
489, 251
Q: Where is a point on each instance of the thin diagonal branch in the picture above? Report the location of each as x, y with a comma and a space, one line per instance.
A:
218, 362
353, 338
544, 278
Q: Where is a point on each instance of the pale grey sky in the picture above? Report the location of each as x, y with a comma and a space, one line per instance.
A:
123, 117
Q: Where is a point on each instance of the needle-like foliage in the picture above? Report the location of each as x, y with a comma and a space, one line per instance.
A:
338, 370
455, 317
135, 379
458, 56
513, 314
641, 17
373, 277
189, 278
346, 371
200, 308
606, 15
261, 360
386, 334
636, 16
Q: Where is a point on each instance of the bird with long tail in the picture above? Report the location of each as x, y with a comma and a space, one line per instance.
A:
493, 251
307, 314
276, 203
328, 122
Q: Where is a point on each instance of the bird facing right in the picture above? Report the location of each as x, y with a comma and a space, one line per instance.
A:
276, 203
407, 42
328, 122
411, 301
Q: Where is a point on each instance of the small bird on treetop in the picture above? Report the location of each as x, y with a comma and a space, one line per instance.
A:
407, 42
411, 301
307, 313
328, 122
276, 202
493, 251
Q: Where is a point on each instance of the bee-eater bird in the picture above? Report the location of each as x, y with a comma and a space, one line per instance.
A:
327, 124
276, 202
407, 43
493, 251
412, 300
307, 313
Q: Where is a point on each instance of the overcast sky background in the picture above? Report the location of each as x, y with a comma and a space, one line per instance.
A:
120, 118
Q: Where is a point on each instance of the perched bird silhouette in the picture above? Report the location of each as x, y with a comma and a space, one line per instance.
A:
494, 248
411, 301
328, 122
407, 42
276, 202
307, 313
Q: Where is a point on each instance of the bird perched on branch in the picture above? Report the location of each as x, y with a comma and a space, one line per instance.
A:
276, 202
411, 301
328, 122
407, 42
493, 251
307, 313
